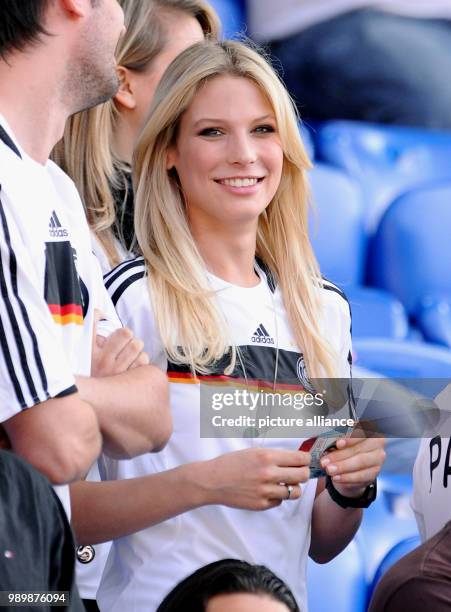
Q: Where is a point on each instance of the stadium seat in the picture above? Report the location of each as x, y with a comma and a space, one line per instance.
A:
339, 242
347, 587
388, 529
386, 160
377, 314
427, 365
232, 16
336, 225
410, 257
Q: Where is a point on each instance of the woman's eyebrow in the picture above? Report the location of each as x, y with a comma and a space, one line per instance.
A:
221, 120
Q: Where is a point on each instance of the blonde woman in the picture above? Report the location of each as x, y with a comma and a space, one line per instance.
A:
227, 292
97, 148
157, 31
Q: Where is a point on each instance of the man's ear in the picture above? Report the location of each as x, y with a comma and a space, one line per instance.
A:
125, 96
76, 7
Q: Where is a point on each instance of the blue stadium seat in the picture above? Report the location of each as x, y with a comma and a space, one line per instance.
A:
398, 359
232, 16
345, 579
387, 530
339, 241
410, 257
336, 225
387, 160
404, 547
377, 314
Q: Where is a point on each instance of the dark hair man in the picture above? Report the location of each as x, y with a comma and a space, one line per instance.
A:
59, 382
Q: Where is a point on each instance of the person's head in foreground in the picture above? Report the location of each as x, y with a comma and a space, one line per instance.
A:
230, 585
98, 144
220, 174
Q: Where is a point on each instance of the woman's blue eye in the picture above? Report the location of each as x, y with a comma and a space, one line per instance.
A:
265, 129
210, 132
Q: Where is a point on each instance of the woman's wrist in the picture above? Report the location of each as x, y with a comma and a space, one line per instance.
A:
351, 491
197, 477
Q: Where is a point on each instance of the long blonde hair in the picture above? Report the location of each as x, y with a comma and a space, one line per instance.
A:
86, 151
191, 327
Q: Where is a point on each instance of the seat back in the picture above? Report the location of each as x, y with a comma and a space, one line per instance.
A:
387, 160
336, 225
410, 254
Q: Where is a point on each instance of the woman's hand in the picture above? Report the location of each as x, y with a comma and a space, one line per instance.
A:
255, 478
355, 464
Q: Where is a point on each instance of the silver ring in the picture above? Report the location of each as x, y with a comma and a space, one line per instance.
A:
289, 490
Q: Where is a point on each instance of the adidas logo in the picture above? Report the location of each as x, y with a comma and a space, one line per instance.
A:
261, 336
55, 228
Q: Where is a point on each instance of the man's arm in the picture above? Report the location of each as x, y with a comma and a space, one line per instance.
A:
59, 437
129, 396
132, 409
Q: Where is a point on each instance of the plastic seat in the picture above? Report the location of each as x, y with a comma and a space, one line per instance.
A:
376, 314
387, 160
427, 365
339, 242
232, 16
410, 257
346, 582
336, 225
387, 530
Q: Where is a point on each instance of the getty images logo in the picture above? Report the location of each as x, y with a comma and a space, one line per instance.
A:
261, 336
55, 228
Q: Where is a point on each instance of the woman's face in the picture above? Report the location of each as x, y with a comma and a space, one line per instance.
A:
245, 602
184, 31
228, 154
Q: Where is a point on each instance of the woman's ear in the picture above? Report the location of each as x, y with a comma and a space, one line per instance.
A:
125, 96
171, 158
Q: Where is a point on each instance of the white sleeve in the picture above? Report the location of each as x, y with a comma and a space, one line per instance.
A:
102, 301
127, 286
33, 364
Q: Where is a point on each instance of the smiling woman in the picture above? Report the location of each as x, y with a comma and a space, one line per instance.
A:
226, 294
229, 164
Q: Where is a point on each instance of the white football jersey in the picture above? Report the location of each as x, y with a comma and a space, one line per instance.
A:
142, 568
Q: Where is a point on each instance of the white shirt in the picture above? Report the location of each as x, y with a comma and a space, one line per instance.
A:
273, 21
51, 284
144, 567
431, 497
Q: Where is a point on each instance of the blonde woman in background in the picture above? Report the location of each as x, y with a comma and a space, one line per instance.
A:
227, 292
97, 147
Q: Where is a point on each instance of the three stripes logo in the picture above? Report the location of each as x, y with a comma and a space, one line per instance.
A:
261, 336
55, 228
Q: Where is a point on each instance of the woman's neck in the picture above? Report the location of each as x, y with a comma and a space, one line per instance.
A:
229, 255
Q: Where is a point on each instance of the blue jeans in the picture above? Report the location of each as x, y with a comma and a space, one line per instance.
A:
371, 66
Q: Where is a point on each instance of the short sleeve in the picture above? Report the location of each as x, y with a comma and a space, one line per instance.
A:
102, 301
33, 366
127, 286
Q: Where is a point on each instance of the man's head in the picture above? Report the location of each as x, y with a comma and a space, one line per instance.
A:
21, 24
80, 38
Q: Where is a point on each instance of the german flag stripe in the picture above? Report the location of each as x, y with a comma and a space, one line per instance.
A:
67, 319
67, 309
227, 381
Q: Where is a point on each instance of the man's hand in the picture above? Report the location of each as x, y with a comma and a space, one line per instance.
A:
117, 353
